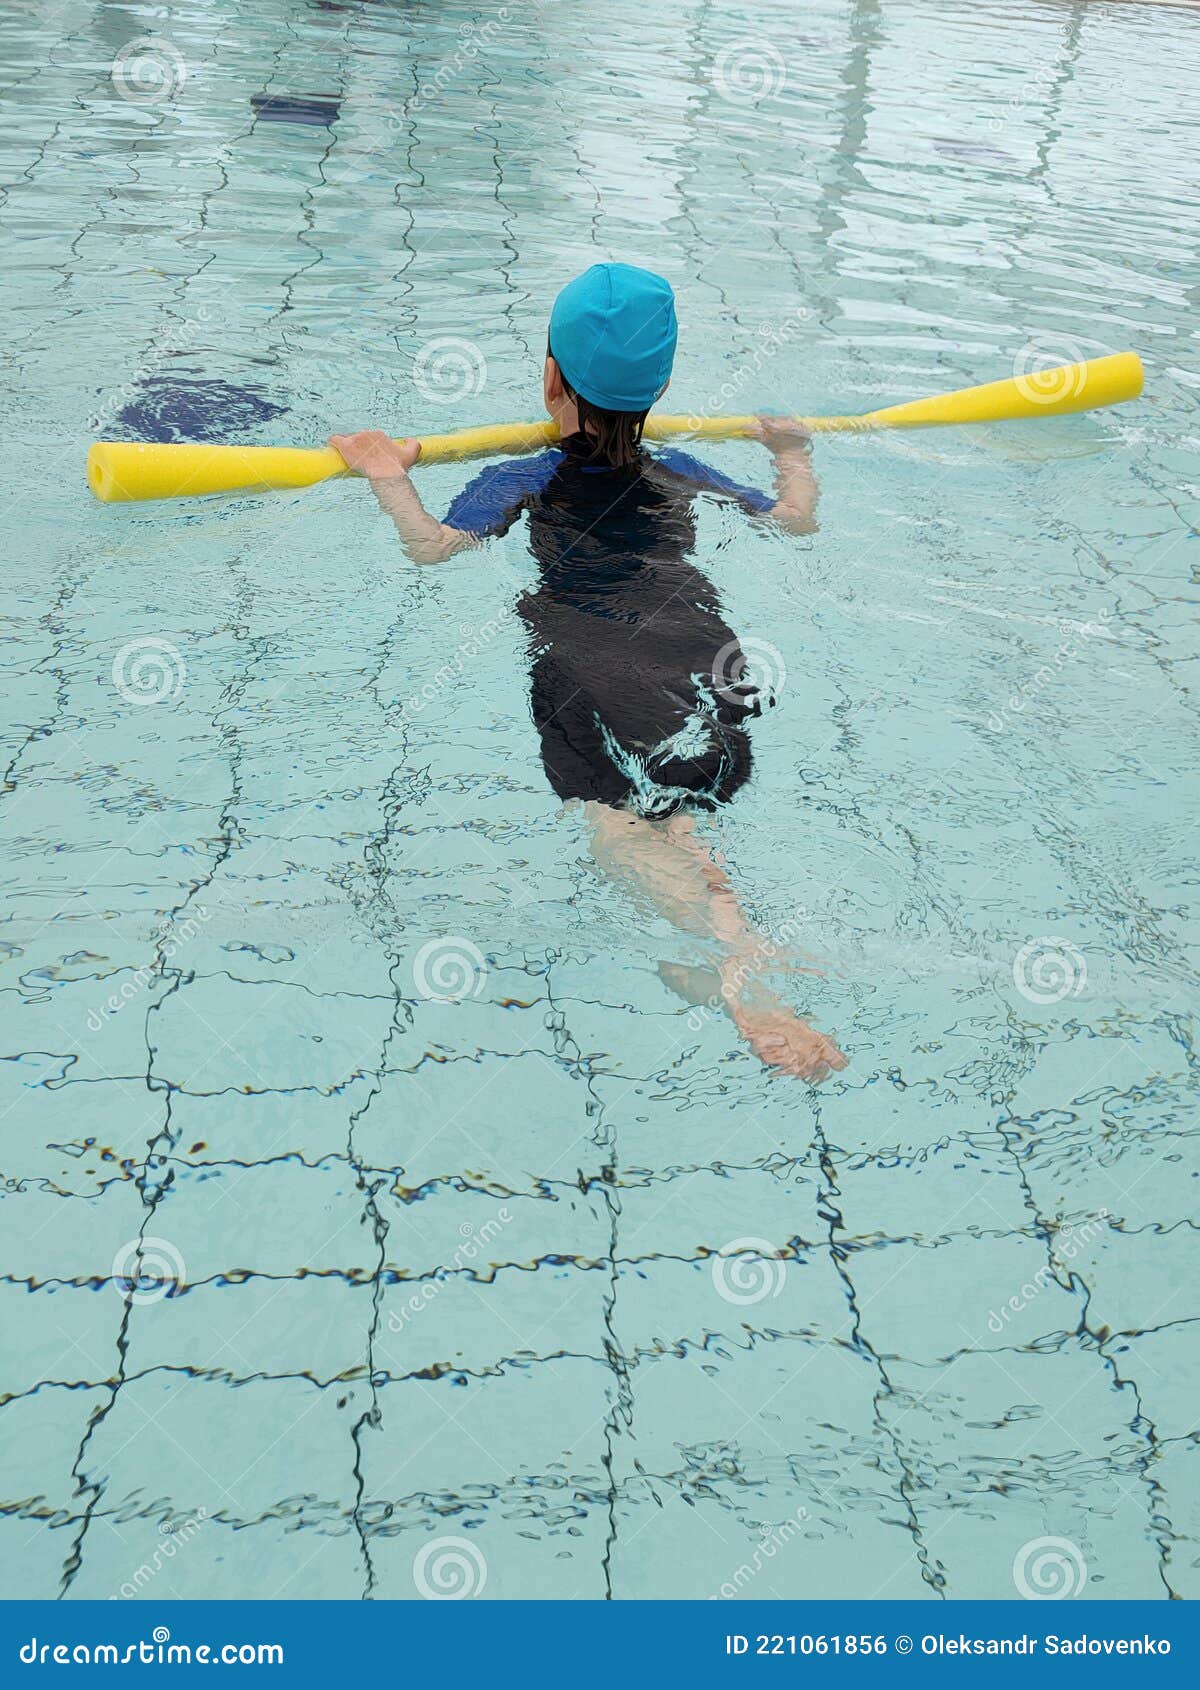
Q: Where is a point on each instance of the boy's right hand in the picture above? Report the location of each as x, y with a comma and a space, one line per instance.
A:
375, 454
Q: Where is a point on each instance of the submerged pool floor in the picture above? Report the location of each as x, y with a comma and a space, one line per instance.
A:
376, 1221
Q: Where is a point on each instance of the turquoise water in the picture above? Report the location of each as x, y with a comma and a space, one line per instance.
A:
364, 1187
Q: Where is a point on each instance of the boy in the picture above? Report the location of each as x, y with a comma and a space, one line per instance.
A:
639, 686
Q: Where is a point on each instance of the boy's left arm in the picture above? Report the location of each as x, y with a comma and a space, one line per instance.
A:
790, 444
385, 463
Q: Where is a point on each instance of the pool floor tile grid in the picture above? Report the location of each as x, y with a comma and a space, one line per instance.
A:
301, 1137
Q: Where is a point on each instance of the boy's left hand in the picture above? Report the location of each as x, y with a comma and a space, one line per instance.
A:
375, 454
782, 434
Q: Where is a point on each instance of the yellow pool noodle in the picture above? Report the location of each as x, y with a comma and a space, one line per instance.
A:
120, 470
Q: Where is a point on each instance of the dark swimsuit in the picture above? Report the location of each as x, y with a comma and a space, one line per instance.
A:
639, 689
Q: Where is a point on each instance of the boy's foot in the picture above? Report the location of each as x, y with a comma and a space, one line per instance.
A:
775, 1033
778, 1037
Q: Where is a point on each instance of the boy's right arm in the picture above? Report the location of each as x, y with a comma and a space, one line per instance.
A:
386, 463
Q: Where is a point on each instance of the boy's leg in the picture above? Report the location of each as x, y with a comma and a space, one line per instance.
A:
670, 864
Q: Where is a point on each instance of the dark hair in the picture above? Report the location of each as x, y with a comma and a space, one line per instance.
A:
609, 437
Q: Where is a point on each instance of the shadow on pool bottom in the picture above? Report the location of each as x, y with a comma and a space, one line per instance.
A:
175, 408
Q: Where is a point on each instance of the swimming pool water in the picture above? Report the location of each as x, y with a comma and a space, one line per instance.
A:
376, 1221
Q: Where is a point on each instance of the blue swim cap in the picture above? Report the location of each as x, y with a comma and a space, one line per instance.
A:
612, 334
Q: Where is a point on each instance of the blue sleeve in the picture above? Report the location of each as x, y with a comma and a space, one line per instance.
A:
712, 481
493, 501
